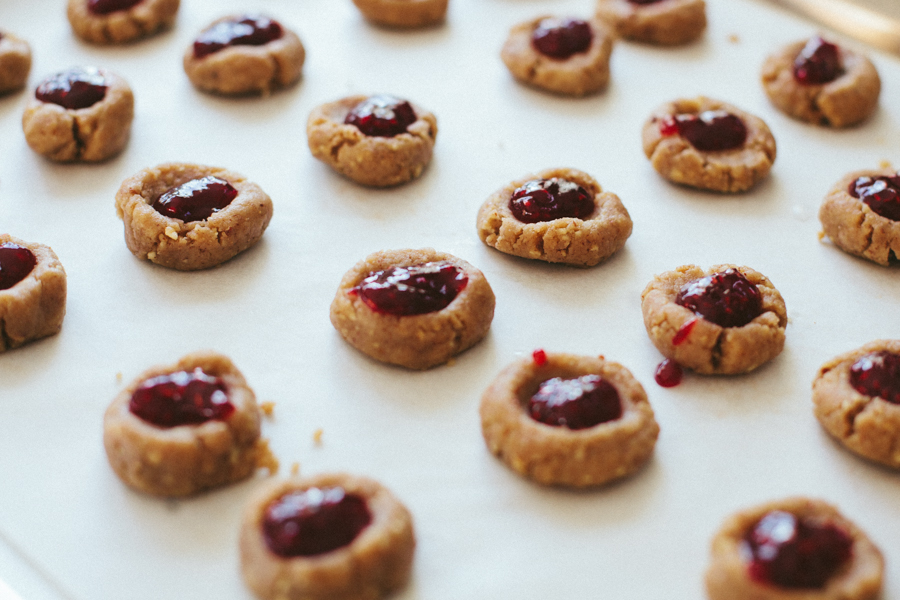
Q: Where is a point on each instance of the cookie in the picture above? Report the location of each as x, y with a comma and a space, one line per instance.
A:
32, 292
413, 308
83, 114
188, 217
403, 13
120, 21
244, 54
722, 320
857, 400
566, 420
664, 22
797, 548
326, 537
561, 55
861, 215
819, 82
15, 62
558, 216
180, 429
708, 144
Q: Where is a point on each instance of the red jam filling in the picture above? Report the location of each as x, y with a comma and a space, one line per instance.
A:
73, 89
248, 30
710, 131
196, 200
104, 7
413, 290
561, 38
795, 553
381, 115
727, 299
16, 263
819, 62
643, 2
314, 521
575, 403
539, 357
882, 194
542, 200
877, 375
181, 398
668, 373
684, 332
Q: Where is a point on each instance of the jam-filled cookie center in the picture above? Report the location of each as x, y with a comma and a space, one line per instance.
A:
561, 38
818, 62
105, 7
16, 263
381, 116
413, 290
877, 375
541, 200
727, 299
709, 131
73, 89
881, 194
576, 403
248, 30
181, 398
196, 200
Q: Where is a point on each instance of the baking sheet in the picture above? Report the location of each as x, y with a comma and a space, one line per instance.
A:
726, 442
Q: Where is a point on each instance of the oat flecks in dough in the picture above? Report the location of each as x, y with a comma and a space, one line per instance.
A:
669, 22
15, 62
404, 14
122, 26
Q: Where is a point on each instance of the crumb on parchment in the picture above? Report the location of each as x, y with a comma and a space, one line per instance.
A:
317, 436
267, 408
295, 469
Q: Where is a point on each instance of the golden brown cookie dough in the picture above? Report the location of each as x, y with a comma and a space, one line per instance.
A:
866, 425
121, 26
15, 62
557, 455
581, 74
34, 307
573, 241
186, 459
192, 245
377, 562
734, 170
728, 579
854, 227
90, 134
246, 69
710, 348
414, 341
847, 100
403, 13
666, 22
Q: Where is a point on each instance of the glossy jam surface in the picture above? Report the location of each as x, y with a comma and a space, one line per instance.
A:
73, 89
795, 553
878, 375
542, 200
819, 62
248, 30
413, 290
575, 403
16, 263
382, 116
642, 2
196, 200
727, 299
668, 373
684, 332
561, 38
539, 357
710, 131
181, 398
314, 521
104, 7
881, 194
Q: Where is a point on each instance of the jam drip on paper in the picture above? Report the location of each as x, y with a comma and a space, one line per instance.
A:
248, 30
16, 263
575, 403
104, 7
668, 374
561, 38
710, 131
413, 290
727, 299
877, 375
181, 398
882, 194
819, 62
541, 200
196, 200
73, 89
382, 116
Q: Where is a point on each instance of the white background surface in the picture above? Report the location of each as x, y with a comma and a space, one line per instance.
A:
726, 442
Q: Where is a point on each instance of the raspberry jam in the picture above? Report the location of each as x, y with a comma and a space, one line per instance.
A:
561, 38
181, 398
104, 7
710, 131
643, 2
413, 290
877, 375
819, 62
575, 403
76, 88
16, 263
314, 521
381, 116
795, 553
196, 200
539, 357
727, 299
668, 373
684, 332
542, 200
248, 30
882, 194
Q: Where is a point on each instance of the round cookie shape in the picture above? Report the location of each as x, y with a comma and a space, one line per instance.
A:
558, 455
699, 344
87, 133
15, 62
406, 14
576, 241
819, 535
818, 82
375, 563
120, 21
183, 459
376, 161
414, 341
583, 72
32, 292
244, 54
732, 169
663, 22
